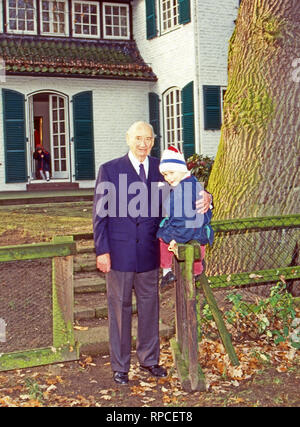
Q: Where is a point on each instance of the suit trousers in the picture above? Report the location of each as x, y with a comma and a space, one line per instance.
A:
119, 296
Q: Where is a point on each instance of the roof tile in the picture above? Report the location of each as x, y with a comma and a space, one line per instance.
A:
95, 59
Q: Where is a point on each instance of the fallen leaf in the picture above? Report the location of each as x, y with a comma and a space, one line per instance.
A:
255, 276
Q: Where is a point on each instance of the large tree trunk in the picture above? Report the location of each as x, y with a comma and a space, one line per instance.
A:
256, 170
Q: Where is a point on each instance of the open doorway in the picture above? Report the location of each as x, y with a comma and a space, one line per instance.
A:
48, 118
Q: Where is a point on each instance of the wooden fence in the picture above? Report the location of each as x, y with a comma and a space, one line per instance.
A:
21, 304
185, 344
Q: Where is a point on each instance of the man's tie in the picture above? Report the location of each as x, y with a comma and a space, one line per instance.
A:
142, 173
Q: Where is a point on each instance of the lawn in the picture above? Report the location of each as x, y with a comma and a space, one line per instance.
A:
39, 223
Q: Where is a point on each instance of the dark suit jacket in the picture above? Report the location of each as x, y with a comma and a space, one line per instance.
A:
129, 239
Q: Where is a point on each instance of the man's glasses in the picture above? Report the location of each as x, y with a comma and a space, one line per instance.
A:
147, 140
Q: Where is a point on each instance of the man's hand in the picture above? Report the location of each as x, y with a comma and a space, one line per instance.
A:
203, 204
103, 263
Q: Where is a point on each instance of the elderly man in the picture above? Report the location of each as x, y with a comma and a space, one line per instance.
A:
128, 251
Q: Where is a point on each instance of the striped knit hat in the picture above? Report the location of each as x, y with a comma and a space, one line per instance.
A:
172, 160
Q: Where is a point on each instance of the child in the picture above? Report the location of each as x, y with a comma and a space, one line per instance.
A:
183, 223
43, 162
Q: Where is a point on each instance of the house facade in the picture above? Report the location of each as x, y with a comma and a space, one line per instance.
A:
77, 73
186, 44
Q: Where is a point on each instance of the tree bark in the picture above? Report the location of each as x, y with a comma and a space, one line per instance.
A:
256, 170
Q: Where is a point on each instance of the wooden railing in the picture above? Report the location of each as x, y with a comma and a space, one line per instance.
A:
19, 260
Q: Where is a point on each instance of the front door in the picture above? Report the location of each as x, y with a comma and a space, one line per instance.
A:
58, 137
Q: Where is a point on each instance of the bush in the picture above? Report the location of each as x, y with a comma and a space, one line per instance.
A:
200, 166
271, 318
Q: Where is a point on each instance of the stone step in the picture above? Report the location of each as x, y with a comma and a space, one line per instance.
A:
85, 246
84, 283
52, 185
93, 306
85, 262
95, 341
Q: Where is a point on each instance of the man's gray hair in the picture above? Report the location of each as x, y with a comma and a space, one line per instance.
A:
140, 123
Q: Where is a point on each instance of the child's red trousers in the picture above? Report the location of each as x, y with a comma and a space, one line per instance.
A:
166, 257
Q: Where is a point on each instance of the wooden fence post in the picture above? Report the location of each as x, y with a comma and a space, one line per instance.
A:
63, 299
185, 347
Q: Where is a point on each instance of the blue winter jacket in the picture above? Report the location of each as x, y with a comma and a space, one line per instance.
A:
182, 222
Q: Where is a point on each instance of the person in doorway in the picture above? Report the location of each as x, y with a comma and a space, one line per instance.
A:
182, 222
128, 251
43, 162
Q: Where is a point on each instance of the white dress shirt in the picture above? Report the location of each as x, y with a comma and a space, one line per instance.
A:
136, 163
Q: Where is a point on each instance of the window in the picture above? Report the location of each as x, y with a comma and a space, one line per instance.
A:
169, 15
173, 118
116, 21
54, 17
21, 16
86, 19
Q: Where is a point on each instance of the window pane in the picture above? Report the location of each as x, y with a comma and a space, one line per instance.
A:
116, 21
86, 19
173, 119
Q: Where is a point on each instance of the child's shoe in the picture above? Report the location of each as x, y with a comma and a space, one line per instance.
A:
167, 279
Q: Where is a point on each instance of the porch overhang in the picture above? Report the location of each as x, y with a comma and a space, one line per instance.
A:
35, 56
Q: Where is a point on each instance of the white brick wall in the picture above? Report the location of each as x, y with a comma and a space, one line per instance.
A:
216, 24
117, 104
170, 55
196, 51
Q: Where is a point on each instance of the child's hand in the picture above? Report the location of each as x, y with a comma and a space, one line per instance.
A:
173, 247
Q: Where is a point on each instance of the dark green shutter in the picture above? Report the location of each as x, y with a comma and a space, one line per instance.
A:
184, 11
150, 19
212, 107
84, 136
14, 136
154, 121
188, 121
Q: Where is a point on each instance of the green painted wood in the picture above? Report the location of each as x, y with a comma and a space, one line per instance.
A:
154, 119
259, 276
37, 357
36, 251
151, 30
188, 120
84, 135
243, 224
184, 11
14, 132
224, 334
